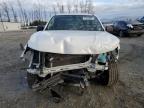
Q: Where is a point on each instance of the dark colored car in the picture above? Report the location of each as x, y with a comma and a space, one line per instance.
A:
121, 28
141, 20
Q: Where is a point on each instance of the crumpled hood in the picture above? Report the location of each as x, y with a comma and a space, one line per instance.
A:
73, 42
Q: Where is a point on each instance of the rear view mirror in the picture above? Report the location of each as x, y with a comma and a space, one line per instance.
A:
40, 28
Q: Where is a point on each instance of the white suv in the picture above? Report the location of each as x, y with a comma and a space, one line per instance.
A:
72, 48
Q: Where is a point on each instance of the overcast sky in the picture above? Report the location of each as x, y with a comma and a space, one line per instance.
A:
102, 7
95, 2
128, 3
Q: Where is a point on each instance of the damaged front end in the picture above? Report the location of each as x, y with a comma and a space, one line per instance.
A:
72, 49
47, 70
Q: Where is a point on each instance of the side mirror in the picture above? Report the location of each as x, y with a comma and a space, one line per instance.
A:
109, 29
40, 28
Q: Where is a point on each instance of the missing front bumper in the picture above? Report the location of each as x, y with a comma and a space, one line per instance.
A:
91, 67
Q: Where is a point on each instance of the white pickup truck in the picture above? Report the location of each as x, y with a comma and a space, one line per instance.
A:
72, 48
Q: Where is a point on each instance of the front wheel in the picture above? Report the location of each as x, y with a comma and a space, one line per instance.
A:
110, 76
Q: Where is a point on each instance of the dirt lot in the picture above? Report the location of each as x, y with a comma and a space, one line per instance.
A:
128, 93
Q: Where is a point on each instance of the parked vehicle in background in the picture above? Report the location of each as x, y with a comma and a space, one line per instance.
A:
121, 28
141, 20
125, 28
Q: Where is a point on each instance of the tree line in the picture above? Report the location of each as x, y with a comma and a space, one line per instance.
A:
38, 12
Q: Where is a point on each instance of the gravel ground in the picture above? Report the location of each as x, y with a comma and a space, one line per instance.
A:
14, 91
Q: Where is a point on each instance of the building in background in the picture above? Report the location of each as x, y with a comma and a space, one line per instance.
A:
9, 26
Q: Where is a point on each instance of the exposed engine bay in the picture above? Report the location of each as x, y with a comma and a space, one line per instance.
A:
49, 69
43, 63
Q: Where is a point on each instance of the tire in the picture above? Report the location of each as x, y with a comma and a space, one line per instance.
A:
139, 35
32, 79
113, 73
110, 76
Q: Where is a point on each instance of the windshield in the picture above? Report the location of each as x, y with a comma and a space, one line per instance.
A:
74, 22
